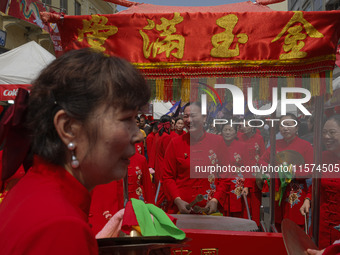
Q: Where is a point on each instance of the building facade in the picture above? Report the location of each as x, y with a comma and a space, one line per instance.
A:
313, 5
15, 32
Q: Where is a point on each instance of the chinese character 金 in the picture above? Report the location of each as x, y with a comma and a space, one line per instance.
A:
293, 42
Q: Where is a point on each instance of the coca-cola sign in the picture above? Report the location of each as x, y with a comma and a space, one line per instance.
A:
9, 91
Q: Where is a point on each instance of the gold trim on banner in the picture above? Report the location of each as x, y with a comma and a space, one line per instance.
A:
248, 63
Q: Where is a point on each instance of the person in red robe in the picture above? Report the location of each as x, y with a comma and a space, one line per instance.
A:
238, 187
139, 179
161, 143
296, 190
185, 161
83, 133
255, 149
329, 225
179, 126
149, 142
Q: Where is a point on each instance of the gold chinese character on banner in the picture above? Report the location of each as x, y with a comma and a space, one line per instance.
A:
172, 43
95, 31
223, 41
209, 251
293, 42
181, 252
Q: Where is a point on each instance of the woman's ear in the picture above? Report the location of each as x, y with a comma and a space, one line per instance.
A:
66, 127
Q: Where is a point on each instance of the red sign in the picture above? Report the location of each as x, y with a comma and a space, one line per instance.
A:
166, 44
28, 10
9, 91
3, 5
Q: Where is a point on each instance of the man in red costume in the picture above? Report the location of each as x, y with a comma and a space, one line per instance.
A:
194, 149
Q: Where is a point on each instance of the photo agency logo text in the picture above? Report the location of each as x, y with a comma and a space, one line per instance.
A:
238, 105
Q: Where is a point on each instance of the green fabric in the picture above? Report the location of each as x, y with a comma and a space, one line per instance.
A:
160, 225
285, 178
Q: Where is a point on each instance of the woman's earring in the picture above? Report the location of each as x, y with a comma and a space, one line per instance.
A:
74, 160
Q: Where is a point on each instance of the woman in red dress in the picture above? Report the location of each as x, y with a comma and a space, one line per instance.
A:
296, 190
237, 185
83, 132
255, 148
149, 141
162, 140
179, 126
330, 186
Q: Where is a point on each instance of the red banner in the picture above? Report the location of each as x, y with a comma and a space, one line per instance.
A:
9, 91
194, 44
3, 5
28, 10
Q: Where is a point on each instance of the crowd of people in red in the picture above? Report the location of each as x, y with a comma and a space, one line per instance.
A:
82, 148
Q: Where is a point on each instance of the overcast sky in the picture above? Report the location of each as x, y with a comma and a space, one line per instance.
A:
185, 2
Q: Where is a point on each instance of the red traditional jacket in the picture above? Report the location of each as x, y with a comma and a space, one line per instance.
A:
255, 146
149, 143
139, 179
255, 149
139, 147
238, 157
296, 190
152, 155
329, 203
173, 134
46, 212
161, 144
180, 155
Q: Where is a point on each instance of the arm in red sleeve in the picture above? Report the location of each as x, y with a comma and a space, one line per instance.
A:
170, 172
152, 155
309, 192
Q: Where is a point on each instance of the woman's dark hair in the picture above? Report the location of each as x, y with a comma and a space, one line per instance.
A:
164, 119
292, 116
154, 125
79, 82
177, 119
192, 103
336, 118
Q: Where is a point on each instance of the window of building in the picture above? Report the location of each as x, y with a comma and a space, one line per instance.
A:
333, 5
63, 5
77, 8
